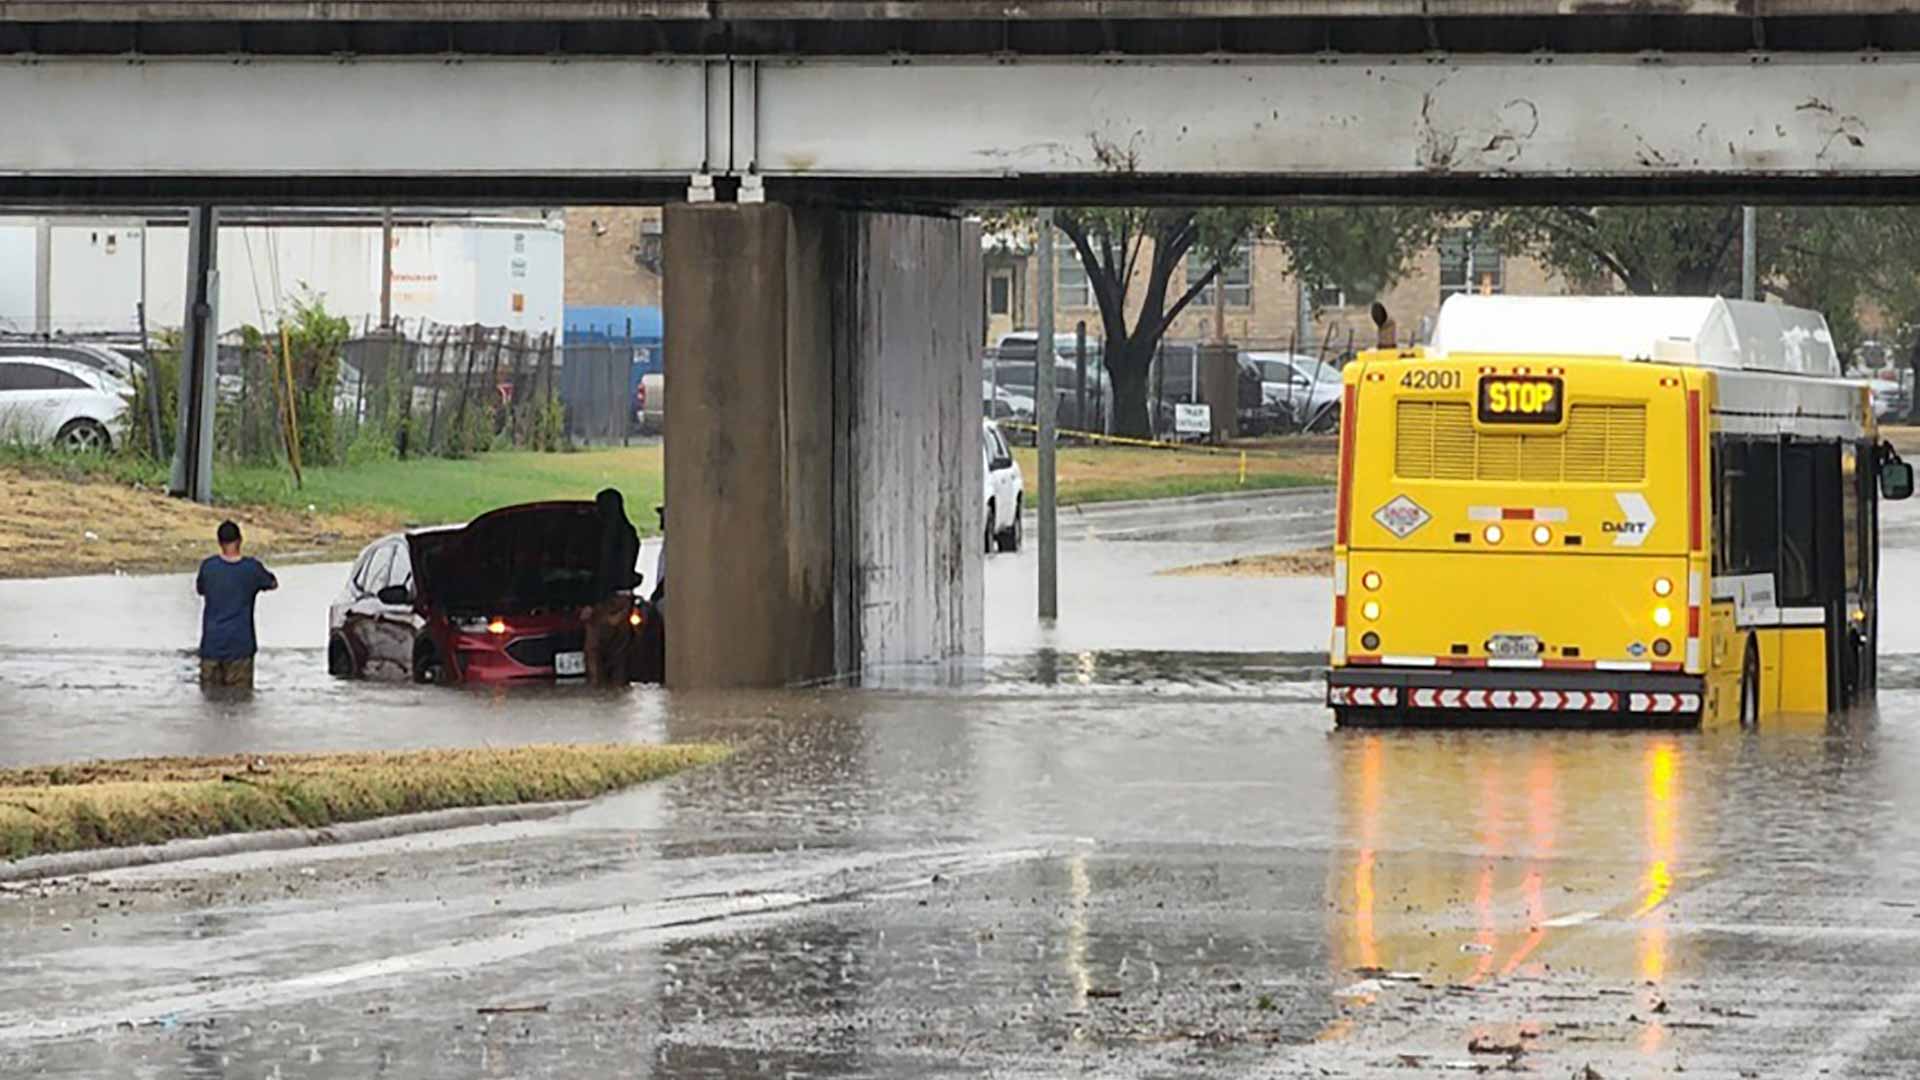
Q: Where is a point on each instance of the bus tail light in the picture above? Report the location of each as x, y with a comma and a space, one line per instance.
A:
1371, 580
1663, 616
1542, 535
1370, 610
1662, 586
1493, 534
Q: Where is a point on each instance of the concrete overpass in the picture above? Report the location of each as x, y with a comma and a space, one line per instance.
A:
1060, 100
824, 484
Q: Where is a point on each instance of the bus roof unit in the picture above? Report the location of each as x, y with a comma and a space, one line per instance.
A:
1708, 331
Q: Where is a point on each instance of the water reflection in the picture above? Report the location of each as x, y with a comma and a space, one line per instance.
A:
1471, 852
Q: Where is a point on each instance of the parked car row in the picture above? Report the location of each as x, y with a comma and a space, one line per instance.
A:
46, 400
1010, 375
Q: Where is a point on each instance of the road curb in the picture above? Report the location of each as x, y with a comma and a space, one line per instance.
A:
70, 863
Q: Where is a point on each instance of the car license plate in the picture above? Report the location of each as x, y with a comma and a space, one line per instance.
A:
570, 663
1513, 646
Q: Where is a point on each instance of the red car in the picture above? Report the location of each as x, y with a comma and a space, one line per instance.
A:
495, 600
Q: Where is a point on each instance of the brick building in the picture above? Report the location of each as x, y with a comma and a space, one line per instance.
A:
1262, 300
613, 266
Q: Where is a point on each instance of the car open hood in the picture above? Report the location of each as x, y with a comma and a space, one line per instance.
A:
522, 559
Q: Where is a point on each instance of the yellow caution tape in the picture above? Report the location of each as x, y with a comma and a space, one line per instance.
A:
1149, 444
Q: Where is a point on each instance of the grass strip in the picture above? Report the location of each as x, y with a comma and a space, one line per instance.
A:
61, 808
1124, 473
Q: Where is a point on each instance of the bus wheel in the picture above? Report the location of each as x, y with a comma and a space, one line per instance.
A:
1750, 688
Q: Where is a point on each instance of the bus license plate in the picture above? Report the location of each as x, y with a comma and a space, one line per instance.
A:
570, 663
1513, 646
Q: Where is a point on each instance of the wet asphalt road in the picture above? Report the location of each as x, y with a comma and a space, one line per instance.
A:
1088, 854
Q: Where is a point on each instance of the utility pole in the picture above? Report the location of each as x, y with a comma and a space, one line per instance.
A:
386, 269
1306, 312
1220, 307
1749, 267
1045, 405
43, 278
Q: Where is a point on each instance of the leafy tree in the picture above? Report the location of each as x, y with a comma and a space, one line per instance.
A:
1359, 249
1645, 250
1111, 244
1833, 259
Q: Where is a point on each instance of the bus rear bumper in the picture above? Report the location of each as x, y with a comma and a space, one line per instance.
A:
1386, 696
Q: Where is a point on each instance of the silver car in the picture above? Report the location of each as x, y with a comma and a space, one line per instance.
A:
1302, 386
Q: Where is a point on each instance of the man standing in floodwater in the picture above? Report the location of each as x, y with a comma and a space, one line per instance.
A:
230, 581
609, 617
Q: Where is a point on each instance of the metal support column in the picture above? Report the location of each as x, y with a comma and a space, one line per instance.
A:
1045, 404
193, 446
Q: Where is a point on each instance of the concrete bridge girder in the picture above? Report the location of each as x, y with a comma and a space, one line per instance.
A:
1167, 126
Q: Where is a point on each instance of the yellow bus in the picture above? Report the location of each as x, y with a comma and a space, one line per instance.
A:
1606, 510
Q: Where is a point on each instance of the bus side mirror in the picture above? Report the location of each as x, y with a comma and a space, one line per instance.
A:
1896, 480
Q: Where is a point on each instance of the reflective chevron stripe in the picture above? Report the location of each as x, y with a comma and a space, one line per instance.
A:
1663, 703
1532, 700
1364, 696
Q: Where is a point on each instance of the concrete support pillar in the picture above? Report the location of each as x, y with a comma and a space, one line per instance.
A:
1220, 387
823, 464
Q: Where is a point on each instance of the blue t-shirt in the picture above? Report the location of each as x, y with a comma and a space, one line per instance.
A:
226, 627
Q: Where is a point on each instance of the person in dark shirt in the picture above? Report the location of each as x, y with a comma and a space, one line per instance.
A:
609, 617
230, 582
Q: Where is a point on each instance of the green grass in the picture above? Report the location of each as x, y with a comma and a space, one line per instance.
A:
1119, 473
153, 800
418, 491
1174, 487
65, 465
436, 491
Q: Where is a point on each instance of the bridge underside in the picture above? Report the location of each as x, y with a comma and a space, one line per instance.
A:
931, 28
824, 492
933, 133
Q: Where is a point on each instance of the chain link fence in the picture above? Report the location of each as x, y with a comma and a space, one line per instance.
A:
433, 389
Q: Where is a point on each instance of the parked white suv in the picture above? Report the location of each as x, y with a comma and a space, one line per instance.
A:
1003, 489
70, 405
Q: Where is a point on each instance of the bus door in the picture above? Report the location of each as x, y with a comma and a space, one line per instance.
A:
1817, 507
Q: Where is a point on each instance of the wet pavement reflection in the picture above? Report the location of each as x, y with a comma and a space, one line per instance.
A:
1124, 876
1100, 861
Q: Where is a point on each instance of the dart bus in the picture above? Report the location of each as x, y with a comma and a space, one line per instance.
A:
1607, 510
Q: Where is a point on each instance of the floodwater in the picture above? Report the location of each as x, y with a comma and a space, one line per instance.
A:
1094, 852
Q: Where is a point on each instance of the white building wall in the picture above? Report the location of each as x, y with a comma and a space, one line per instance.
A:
97, 276
498, 274
17, 248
